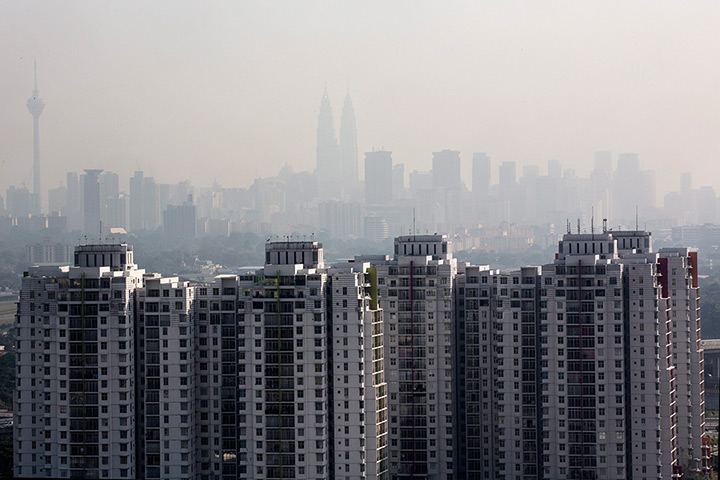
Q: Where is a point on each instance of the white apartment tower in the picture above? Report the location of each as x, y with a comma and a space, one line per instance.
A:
586, 368
311, 389
74, 402
416, 296
166, 381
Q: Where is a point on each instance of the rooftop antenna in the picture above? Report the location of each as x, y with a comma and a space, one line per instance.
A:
567, 221
636, 218
578, 226
604, 225
413, 230
592, 221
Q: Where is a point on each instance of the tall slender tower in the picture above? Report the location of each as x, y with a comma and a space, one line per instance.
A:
36, 106
328, 168
348, 144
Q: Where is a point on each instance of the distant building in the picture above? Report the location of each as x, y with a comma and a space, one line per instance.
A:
91, 203
49, 252
378, 178
481, 175
180, 222
446, 169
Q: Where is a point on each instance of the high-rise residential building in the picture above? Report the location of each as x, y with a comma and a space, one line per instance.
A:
348, 145
75, 402
274, 374
91, 202
378, 178
311, 387
415, 290
165, 378
415, 366
446, 169
481, 175
36, 106
577, 369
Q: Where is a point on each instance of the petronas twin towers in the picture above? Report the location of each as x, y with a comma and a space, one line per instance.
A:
337, 163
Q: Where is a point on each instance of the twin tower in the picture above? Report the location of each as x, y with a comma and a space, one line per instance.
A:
337, 163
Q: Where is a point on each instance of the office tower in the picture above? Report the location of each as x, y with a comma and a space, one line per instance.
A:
340, 219
165, 379
398, 181
601, 181
686, 183
378, 178
151, 204
348, 145
75, 395
36, 106
418, 181
578, 369
631, 188
73, 207
327, 151
57, 200
117, 212
481, 175
136, 202
20, 202
180, 221
446, 169
554, 168
91, 202
111, 207
507, 176
415, 289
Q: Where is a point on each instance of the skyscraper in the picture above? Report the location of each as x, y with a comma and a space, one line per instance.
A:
446, 169
481, 175
136, 202
378, 178
589, 367
348, 145
91, 202
36, 106
75, 395
415, 291
328, 151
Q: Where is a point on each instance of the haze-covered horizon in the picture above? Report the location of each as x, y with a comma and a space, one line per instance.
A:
230, 91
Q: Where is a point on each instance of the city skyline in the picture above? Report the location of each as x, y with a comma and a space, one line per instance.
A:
585, 95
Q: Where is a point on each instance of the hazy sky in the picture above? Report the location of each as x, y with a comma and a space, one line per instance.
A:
231, 90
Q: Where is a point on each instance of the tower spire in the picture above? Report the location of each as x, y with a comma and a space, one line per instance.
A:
36, 106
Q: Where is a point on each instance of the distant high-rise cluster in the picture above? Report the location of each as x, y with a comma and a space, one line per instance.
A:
405, 366
485, 203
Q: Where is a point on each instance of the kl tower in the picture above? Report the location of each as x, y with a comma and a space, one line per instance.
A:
36, 107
